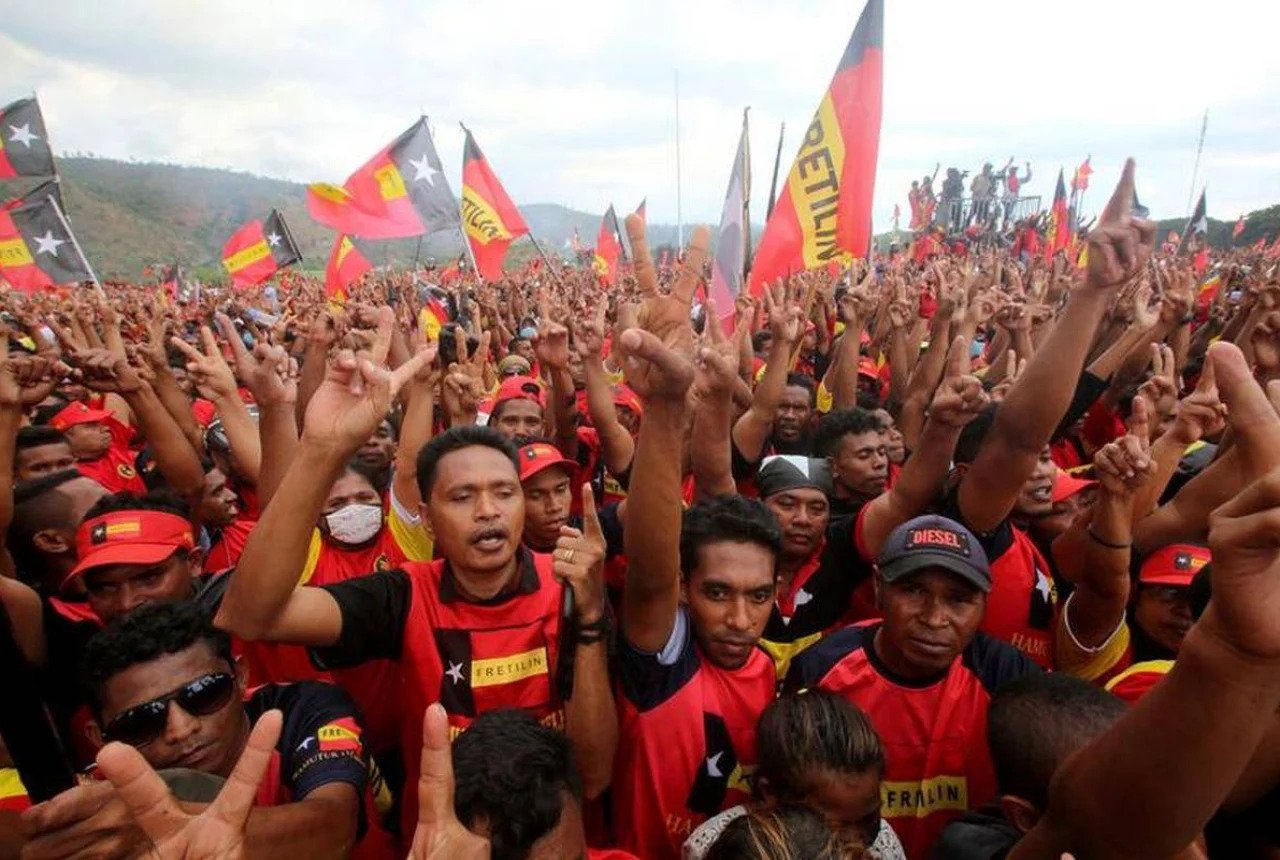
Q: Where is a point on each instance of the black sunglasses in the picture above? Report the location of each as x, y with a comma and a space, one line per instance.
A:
142, 724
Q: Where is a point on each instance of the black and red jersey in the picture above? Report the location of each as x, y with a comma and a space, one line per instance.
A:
1022, 606
321, 743
686, 743
471, 656
934, 731
820, 595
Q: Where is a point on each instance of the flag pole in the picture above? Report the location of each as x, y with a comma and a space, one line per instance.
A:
746, 195
777, 160
679, 207
1195, 171
75, 243
545, 259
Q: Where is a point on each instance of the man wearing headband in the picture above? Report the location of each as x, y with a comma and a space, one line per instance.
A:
163, 680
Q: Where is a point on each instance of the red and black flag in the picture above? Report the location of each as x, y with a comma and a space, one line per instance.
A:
346, 264
37, 195
605, 260
1197, 224
399, 192
1080, 181
824, 211
1057, 231
258, 250
489, 218
37, 249
24, 145
640, 210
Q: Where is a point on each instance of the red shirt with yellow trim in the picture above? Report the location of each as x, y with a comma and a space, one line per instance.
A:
1136, 681
686, 742
934, 731
471, 656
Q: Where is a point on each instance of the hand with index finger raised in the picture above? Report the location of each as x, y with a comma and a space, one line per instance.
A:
1120, 245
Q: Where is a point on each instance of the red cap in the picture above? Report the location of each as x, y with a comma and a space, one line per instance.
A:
76, 412
1066, 485
130, 537
867, 367
539, 456
625, 396
520, 388
1175, 564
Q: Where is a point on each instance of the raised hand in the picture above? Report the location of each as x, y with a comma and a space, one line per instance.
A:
1120, 245
104, 371
1201, 413
716, 358
960, 397
440, 835
552, 343
1123, 465
269, 372
588, 334
657, 355
209, 370
785, 315
218, 832
1243, 532
578, 561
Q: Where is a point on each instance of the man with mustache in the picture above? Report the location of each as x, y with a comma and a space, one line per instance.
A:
480, 627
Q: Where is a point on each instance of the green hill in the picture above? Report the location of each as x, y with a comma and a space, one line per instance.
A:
127, 215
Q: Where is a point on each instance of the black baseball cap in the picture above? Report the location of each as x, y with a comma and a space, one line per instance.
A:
932, 541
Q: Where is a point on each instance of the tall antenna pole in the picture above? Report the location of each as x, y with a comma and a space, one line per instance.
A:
1195, 171
777, 160
679, 202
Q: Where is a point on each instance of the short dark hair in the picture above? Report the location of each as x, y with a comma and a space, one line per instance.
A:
44, 414
456, 438
974, 434
727, 518
800, 380
155, 500
837, 424
147, 633
496, 413
760, 338
37, 436
512, 773
790, 831
1036, 722
801, 736
38, 504
356, 466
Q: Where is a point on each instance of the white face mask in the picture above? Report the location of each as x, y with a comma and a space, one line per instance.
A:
354, 524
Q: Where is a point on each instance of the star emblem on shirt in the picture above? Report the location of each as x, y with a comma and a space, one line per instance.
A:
48, 244
423, 170
455, 672
1042, 585
273, 239
803, 597
22, 134
713, 766
306, 742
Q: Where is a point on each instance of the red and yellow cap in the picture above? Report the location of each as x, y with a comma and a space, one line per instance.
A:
539, 456
520, 388
76, 412
1176, 564
1066, 485
130, 537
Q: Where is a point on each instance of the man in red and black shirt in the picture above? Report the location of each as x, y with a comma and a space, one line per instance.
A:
98, 454
164, 681
477, 629
924, 675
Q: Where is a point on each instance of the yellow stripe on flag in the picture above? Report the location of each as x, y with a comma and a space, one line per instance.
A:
14, 253
814, 184
390, 182
247, 257
332, 193
480, 220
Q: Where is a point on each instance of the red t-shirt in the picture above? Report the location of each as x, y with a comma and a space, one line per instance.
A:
934, 731
116, 470
1022, 603
686, 742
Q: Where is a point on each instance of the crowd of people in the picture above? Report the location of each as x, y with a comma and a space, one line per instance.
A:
992, 202
962, 554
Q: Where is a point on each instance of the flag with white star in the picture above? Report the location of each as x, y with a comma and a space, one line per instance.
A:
37, 250
24, 145
37, 195
399, 192
258, 250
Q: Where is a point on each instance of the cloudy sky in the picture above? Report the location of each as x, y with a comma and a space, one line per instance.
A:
573, 102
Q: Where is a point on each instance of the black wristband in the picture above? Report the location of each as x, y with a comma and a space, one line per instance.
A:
597, 631
1108, 544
